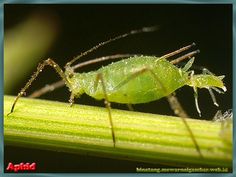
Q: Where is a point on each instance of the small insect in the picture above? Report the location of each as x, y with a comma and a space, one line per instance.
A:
134, 80
226, 120
226, 116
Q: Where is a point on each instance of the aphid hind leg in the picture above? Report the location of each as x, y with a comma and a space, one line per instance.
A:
107, 103
136, 74
178, 109
176, 106
47, 88
146, 69
173, 101
130, 107
40, 67
72, 99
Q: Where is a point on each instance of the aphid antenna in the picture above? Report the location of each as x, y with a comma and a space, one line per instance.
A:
101, 59
142, 30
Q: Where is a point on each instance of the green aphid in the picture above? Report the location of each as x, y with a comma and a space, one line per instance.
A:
134, 80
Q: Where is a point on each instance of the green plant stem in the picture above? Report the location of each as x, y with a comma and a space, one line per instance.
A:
157, 139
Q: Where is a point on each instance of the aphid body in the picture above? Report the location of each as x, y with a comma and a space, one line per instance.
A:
141, 89
138, 79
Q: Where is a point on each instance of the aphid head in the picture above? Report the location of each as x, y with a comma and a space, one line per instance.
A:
69, 72
75, 82
208, 81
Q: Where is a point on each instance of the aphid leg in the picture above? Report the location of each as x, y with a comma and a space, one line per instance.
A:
130, 107
137, 73
196, 100
146, 69
176, 106
107, 103
195, 94
206, 71
218, 90
40, 67
47, 88
72, 99
213, 97
173, 101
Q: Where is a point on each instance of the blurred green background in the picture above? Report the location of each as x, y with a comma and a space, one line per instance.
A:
36, 32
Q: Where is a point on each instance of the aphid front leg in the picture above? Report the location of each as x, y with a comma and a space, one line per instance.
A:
107, 103
40, 67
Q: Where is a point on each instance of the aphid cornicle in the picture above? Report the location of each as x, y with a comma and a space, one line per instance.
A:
134, 80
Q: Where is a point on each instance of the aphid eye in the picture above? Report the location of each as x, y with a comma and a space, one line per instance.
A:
71, 75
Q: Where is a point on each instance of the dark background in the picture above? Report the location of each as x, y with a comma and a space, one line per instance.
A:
83, 26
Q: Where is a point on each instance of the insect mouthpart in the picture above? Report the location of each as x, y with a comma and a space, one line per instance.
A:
69, 72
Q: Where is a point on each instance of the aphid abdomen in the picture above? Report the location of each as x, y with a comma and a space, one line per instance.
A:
125, 84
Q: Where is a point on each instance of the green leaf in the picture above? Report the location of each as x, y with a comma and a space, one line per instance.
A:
157, 139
